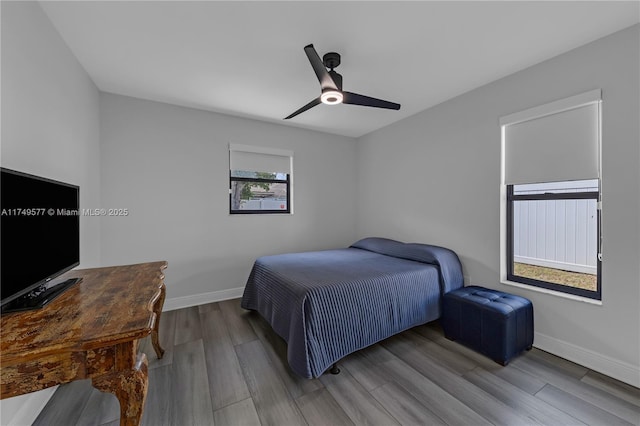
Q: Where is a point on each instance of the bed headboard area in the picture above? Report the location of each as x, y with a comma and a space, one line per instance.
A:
445, 259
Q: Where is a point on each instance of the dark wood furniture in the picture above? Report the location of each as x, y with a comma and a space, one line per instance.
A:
90, 331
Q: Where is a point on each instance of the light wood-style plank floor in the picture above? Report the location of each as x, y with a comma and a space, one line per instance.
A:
225, 366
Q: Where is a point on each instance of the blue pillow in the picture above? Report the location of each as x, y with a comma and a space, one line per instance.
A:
446, 260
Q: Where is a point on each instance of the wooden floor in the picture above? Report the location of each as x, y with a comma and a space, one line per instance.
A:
225, 366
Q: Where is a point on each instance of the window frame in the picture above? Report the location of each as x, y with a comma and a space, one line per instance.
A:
286, 181
506, 241
583, 195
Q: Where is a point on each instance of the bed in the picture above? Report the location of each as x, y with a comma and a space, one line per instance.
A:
328, 304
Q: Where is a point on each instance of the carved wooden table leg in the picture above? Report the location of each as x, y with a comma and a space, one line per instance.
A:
157, 309
130, 387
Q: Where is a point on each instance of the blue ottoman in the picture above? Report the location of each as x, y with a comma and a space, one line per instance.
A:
496, 324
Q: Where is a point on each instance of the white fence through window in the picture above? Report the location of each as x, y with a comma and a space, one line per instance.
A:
560, 234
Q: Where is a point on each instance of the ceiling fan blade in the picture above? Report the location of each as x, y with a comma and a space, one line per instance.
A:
355, 99
326, 82
308, 106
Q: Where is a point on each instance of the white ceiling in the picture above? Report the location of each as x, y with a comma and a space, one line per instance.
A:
247, 59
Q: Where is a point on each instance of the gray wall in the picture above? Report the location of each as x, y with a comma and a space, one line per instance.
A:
169, 166
439, 172
50, 128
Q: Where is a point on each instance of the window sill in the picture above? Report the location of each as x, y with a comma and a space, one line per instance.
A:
553, 293
260, 214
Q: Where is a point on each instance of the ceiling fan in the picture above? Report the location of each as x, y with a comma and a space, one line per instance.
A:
331, 84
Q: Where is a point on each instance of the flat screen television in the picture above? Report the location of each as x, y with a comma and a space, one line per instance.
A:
40, 238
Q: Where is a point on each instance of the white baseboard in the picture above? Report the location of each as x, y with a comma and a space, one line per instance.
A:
31, 406
202, 298
606, 365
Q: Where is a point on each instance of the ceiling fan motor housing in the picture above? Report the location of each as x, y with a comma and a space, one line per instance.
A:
331, 60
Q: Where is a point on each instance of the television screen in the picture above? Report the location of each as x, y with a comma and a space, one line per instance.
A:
39, 229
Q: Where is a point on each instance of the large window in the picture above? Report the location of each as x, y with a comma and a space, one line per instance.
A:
259, 180
552, 192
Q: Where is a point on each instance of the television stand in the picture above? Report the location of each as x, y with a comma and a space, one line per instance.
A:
91, 332
39, 297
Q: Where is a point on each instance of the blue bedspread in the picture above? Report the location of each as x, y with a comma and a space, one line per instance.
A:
328, 304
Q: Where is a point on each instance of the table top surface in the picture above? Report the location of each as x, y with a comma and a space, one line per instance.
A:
110, 305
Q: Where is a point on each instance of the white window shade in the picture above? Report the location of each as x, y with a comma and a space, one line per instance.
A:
259, 159
556, 146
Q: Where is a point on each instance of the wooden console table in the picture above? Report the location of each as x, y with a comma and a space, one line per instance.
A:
90, 331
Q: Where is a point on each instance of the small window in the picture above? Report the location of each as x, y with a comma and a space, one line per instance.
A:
259, 192
552, 236
259, 180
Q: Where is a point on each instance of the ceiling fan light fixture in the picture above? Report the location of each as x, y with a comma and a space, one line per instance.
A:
331, 97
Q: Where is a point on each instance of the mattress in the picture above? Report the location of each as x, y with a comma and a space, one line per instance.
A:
328, 304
